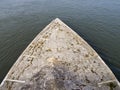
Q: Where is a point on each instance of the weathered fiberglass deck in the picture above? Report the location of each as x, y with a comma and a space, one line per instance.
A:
59, 59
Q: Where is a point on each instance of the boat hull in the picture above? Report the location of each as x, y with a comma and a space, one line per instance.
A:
59, 59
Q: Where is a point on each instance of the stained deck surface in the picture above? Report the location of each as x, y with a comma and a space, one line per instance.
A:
59, 59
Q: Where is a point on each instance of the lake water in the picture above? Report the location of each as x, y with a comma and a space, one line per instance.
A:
97, 21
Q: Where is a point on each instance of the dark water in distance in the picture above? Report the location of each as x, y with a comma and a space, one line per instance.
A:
97, 21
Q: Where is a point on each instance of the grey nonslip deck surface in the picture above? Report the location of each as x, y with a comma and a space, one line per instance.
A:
59, 59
